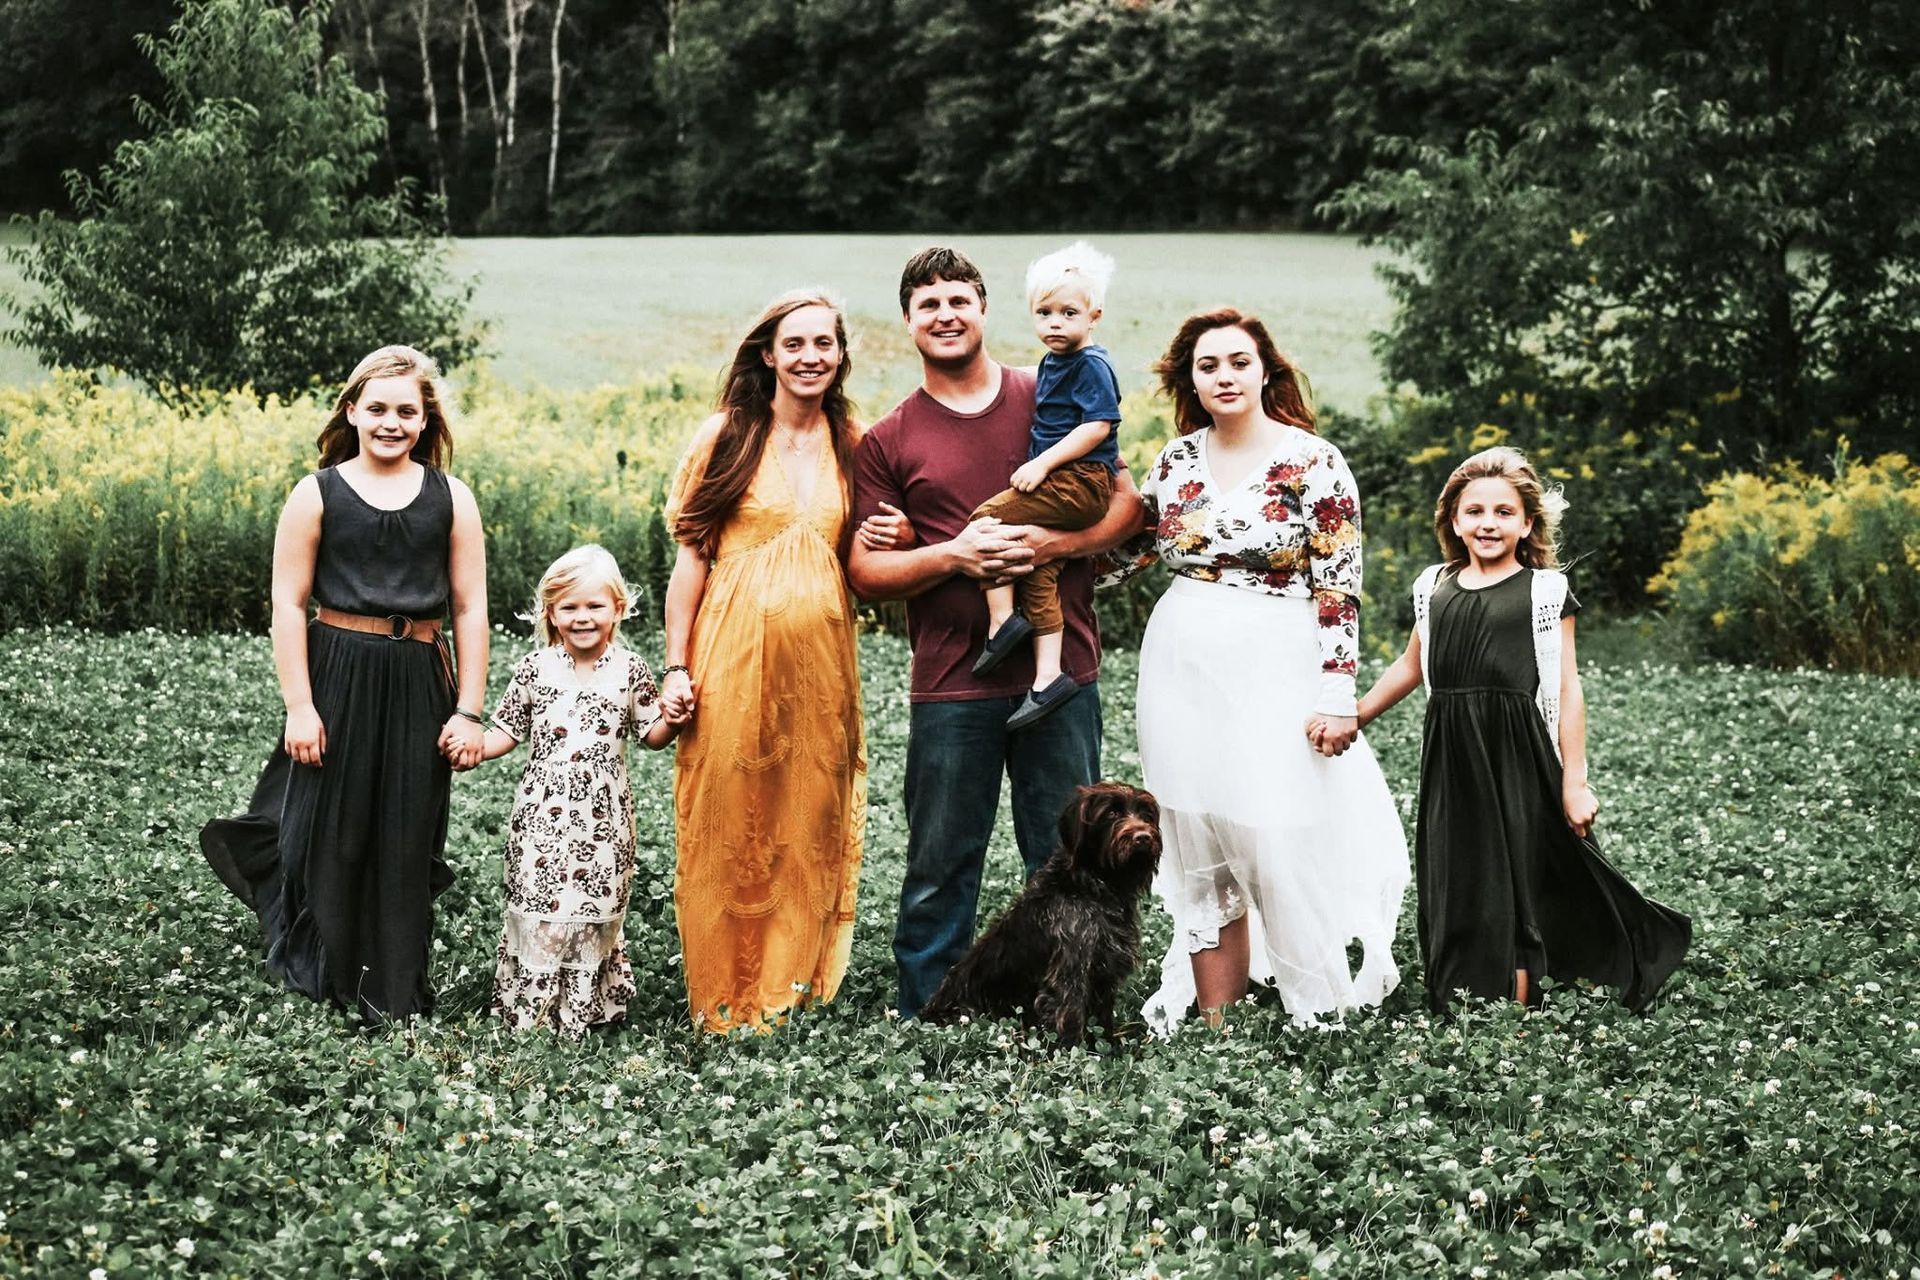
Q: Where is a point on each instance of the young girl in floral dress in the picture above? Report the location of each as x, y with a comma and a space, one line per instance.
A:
570, 843
1511, 883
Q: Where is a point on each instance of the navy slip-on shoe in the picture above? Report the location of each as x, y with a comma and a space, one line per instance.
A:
1001, 644
1041, 703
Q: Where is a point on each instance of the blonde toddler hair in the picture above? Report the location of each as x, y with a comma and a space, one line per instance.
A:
591, 565
1079, 267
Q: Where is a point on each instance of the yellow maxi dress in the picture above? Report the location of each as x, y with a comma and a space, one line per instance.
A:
770, 781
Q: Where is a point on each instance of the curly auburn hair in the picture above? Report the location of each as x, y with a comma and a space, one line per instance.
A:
338, 440
1284, 391
1540, 548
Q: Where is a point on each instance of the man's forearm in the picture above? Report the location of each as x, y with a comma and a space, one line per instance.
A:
878, 576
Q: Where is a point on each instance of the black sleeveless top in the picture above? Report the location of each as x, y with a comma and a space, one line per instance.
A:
384, 562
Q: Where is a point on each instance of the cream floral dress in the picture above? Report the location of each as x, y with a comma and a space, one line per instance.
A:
570, 843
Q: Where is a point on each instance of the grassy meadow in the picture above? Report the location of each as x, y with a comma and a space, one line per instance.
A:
578, 312
165, 1110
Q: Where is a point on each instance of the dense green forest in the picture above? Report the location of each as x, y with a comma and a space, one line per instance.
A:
584, 116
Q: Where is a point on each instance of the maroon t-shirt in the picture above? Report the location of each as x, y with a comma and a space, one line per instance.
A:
937, 466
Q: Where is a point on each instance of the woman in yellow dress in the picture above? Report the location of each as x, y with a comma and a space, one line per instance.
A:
771, 776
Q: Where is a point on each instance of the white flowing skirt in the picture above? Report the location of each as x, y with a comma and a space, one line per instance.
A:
1254, 822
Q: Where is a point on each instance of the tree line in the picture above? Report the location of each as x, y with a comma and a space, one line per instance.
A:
637, 116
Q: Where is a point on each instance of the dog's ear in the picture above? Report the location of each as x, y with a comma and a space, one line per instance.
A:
1079, 815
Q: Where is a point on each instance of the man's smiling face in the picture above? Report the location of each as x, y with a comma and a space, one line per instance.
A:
947, 320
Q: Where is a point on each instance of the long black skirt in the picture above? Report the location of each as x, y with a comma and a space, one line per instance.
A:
1504, 883
342, 861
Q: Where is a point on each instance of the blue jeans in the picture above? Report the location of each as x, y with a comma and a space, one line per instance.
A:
955, 754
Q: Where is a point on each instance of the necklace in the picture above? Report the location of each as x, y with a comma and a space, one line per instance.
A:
791, 439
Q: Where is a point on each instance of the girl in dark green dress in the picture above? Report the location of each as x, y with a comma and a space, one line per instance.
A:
1511, 883
376, 559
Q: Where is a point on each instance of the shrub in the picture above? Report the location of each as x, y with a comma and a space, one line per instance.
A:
1793, 569
1629, 489
233, 246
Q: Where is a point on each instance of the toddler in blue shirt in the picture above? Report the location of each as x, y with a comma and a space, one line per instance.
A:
1072, 454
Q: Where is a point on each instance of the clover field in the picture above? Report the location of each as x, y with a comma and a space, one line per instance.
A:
163, 1109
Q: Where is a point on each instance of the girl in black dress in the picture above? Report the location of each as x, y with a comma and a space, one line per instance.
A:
339, 853
1511, 883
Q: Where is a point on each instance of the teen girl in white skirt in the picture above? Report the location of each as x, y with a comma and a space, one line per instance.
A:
1282, 847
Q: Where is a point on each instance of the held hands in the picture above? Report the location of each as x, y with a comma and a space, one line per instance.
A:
1581, 807
992, 551
886, 530
305, 738
1029, 476
678, 698
1332, 735
461, 741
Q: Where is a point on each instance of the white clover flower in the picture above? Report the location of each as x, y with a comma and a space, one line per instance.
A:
1217, 1134
77, 1056
1663, 1272
1477, 1198
1636, 1215
1656, 1232
98, 1273
1199, 1234
183, 1247
1770, 1088
376, 1257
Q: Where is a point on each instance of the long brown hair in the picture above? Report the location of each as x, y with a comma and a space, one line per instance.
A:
1284, 394
1539, 549
746, 402
339, 441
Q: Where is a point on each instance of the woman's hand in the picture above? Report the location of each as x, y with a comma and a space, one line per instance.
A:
305, 738
678, 697
886, 530
461, 741
1332, 735
1581, 807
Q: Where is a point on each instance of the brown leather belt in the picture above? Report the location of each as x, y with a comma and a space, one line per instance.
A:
394, 626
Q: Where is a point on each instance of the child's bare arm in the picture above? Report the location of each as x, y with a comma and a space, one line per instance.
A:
1575, 795
1072, 447
660, 733
296, 545
496, 744
1395, 683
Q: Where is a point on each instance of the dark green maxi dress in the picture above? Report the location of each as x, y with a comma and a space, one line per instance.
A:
341, 862
1504, 883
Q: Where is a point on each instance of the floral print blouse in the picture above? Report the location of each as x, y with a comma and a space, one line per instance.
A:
1290, 528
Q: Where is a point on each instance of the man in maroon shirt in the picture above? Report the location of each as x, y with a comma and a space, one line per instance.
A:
941, 452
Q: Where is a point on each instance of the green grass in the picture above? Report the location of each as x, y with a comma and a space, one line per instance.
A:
577, 312
164, 1108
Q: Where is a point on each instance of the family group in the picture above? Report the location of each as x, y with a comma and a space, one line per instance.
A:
990, 500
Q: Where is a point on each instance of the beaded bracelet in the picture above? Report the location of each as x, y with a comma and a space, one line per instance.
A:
667, 671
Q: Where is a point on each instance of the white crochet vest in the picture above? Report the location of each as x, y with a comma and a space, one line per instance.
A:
1549, 598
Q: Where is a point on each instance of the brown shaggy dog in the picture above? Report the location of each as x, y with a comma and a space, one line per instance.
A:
1060, 953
